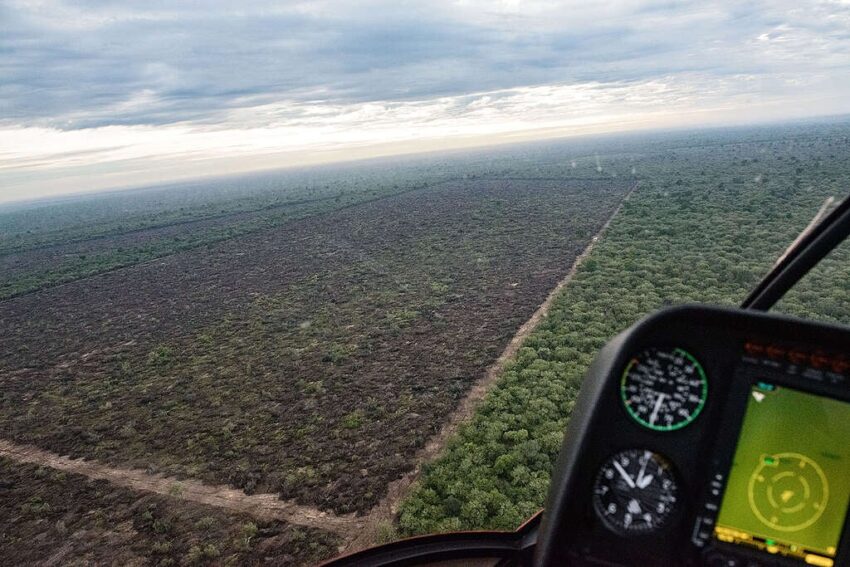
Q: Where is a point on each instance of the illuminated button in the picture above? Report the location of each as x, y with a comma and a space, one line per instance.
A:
797, 357
840, 365
819, 360
775, 352
818, 560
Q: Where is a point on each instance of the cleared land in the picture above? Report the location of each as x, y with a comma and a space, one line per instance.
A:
54, 518
312, 360
100, 235
261, 506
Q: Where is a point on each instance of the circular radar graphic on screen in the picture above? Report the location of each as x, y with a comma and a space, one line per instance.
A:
788, 491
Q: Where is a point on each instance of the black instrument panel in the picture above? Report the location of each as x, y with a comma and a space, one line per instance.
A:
707, 436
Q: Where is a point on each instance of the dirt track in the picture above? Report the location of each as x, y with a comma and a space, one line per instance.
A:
265, 506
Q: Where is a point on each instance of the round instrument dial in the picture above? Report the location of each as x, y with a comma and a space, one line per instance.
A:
635, 492
664, 389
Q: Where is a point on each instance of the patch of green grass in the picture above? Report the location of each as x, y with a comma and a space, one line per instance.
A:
353, 420
161, 357
402, 317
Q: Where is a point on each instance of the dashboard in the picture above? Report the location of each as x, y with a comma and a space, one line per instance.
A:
707, 436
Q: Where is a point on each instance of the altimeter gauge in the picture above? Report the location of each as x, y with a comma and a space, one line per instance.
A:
635, 492
664, 389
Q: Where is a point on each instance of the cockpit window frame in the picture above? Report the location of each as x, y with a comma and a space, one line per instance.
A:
813, 245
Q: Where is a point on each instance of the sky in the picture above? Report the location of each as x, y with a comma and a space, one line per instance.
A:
97, 94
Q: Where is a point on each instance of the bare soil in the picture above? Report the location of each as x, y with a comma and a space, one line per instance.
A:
52, 517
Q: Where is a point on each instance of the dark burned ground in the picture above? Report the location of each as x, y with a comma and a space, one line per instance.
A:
55, 518
311, 360
46, 265
52, 258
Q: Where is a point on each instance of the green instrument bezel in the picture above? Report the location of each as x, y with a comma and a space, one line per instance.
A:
676, 426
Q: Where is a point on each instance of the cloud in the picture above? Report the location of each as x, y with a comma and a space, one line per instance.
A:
324, 73
84, 64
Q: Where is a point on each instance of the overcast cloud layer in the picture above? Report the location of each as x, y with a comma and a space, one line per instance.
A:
97, 93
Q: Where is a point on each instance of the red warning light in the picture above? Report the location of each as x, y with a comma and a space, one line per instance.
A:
774, 351
754, 349
819, 360
840, 364
798, 357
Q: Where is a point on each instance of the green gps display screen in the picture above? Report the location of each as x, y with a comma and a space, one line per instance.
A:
789, 484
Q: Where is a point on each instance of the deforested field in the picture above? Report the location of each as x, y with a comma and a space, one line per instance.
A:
54, 518
310, 359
